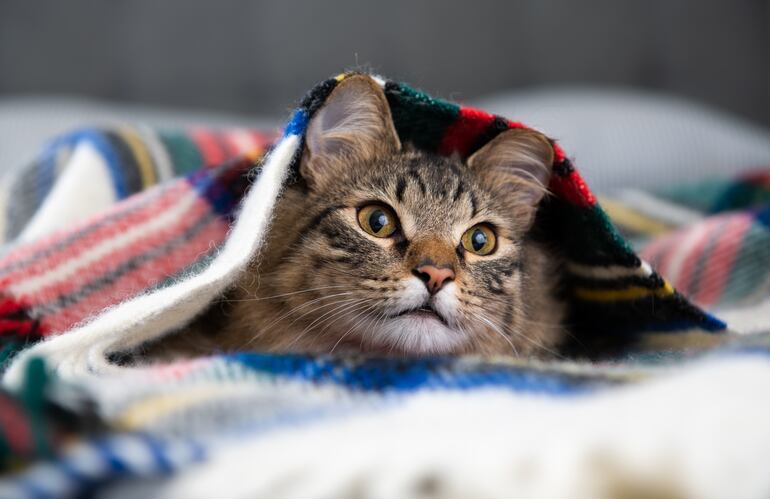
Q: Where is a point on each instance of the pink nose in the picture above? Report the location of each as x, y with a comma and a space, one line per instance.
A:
434, 277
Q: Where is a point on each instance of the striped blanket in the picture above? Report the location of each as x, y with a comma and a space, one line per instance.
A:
116, 237
710, 238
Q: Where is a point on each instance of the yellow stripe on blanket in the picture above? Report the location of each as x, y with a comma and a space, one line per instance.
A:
143, 413
143, 159
629, 293
632, 220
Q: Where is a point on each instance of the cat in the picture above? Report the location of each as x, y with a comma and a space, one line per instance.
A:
380, 248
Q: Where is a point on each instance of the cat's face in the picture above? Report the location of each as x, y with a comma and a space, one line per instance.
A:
390, 250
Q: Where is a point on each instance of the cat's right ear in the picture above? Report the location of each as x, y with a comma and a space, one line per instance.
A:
353, 126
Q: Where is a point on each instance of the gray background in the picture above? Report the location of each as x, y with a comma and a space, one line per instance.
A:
258, 57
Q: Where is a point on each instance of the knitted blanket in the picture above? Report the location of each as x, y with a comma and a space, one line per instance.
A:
137, 260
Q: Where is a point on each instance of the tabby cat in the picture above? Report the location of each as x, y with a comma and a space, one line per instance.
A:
384, 249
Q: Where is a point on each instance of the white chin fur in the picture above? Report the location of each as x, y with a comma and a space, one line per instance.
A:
417, 335
420, 334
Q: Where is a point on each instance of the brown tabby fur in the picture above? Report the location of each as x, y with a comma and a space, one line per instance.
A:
321, 284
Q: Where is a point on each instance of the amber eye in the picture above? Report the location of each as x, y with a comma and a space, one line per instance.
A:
377, 220
479, 239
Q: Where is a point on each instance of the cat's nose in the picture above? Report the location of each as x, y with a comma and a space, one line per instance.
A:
434, 277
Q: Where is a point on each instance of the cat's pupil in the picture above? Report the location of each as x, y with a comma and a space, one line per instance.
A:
377, 220
478, 239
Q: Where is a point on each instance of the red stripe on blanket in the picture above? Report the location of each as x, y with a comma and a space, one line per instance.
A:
761, 178
722, 258
248, 142
24, 251
13, 423
231, 150
266, 139
241, 143
666, 250
653, 251
20, 327
695, 253
73, 248
135, 282
461, 135
177, 370
558, 152
8, 306
209, 147
573, 189
84, 275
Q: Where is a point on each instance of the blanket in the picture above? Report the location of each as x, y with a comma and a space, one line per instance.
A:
83, 280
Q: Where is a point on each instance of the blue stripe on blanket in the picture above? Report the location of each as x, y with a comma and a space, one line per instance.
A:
297, 123
398, 375
99, 140
46, 176
105, 148
102, 462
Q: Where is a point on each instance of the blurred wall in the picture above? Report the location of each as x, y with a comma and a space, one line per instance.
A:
259, 57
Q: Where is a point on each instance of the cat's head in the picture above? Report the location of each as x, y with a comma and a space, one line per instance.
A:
391, 249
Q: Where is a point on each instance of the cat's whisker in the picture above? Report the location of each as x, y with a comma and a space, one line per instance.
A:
363, 312
303, 305
325, 305
340, 306
329, 324
484, 319
266, 329
336, 311
340, 311
377, 324
527, 338
282, 295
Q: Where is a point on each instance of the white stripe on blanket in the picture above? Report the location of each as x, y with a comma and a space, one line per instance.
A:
85, 187
70, 267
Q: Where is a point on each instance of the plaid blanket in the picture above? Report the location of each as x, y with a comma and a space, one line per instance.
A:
710, 238
98, 258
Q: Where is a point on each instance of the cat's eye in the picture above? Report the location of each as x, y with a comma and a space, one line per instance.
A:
479, 239
377, 220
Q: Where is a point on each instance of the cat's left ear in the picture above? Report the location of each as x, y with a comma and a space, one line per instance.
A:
516, 164
352, 127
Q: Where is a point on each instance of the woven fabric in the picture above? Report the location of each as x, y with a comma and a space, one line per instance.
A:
710, 238
176, 430
171, 197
